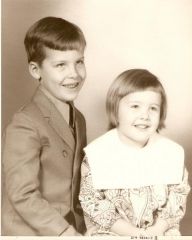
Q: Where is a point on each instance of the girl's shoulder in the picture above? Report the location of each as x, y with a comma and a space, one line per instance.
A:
167, 145
106, 140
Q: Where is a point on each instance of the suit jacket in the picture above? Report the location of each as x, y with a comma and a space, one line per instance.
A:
41, 169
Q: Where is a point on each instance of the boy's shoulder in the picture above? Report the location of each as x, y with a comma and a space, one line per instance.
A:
25, 115
38, 109
30, 109
32, 113
33, 109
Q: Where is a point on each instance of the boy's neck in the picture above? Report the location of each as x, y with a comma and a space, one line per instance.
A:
61, 106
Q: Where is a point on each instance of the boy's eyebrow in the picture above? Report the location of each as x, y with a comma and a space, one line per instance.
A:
65, 61
59, 61
81, 57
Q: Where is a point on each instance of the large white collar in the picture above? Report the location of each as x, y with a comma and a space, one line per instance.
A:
115, 165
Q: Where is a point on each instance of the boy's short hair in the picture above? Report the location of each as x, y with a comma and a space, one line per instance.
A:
130, 81
55, 33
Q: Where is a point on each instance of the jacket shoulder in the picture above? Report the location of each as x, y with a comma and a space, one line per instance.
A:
27, 114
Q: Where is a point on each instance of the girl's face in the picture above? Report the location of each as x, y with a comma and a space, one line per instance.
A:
138, 116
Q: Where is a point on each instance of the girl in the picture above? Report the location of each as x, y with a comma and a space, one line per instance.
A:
134, 182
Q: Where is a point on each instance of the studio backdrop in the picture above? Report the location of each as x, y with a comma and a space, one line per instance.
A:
120, 34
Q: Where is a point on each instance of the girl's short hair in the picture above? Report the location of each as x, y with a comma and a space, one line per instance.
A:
55, 33
130, 81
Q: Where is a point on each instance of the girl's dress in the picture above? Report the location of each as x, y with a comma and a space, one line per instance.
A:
139, 185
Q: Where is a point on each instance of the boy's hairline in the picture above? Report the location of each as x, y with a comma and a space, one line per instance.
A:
44, 53
35, 43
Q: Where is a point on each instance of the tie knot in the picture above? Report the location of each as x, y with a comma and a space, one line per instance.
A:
71, 115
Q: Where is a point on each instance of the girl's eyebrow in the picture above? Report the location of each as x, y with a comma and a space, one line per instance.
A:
156, 104
137, 102
132, 101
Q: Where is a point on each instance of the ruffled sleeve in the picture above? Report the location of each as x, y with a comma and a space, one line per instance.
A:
175, 207
99, 210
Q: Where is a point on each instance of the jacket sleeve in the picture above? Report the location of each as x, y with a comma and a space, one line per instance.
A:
175, 208
96, 206
21, 165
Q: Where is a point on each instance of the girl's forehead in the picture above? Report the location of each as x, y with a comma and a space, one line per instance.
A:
144, 95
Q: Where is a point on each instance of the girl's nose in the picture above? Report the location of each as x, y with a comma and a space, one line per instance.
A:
144, 115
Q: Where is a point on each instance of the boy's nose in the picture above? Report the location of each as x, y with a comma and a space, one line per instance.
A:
73, 71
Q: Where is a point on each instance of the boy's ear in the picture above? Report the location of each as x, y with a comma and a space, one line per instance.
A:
34, 70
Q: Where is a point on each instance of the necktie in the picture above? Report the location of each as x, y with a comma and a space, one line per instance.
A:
71, 117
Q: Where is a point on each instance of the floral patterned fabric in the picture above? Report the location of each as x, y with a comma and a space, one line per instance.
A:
140, 206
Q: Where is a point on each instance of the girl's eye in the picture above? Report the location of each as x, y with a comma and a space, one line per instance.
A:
154, 108
135, 106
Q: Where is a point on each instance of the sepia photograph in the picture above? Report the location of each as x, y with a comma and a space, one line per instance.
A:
96, 135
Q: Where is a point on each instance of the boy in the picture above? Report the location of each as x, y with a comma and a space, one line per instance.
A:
43, 144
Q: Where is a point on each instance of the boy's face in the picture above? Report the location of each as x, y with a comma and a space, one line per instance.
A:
138, 115
62, 73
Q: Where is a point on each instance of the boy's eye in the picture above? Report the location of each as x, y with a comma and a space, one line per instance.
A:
80, 61
60, 65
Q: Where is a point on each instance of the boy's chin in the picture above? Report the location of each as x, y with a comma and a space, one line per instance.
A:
69, 98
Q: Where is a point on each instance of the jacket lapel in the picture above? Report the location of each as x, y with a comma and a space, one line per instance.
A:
80, 134
54, 118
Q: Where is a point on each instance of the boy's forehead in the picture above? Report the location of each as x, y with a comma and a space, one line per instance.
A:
59, 54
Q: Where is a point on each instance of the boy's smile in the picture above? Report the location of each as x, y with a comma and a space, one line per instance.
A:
138, 116
62, 73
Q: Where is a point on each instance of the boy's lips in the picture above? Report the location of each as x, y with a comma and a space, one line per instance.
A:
71, 85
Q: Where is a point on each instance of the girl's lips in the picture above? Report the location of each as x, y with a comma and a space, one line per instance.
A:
142, 126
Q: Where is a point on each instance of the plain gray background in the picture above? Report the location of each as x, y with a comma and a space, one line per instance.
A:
121, 34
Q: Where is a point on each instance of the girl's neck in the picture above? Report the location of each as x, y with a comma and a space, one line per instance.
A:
130, 142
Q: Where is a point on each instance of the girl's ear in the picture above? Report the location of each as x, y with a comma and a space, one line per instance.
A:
35, 70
